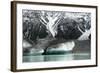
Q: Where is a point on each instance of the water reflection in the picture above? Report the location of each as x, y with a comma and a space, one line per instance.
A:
61, 57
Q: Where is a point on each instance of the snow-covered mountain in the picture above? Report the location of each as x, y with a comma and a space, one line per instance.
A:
42, 27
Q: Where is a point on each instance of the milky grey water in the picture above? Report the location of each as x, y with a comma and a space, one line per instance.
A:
61, 57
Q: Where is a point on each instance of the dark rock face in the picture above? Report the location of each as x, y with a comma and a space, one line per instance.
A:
68, 30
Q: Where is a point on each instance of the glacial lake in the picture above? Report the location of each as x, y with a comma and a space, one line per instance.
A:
56, 57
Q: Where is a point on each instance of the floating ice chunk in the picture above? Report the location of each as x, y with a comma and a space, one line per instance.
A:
63, 47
